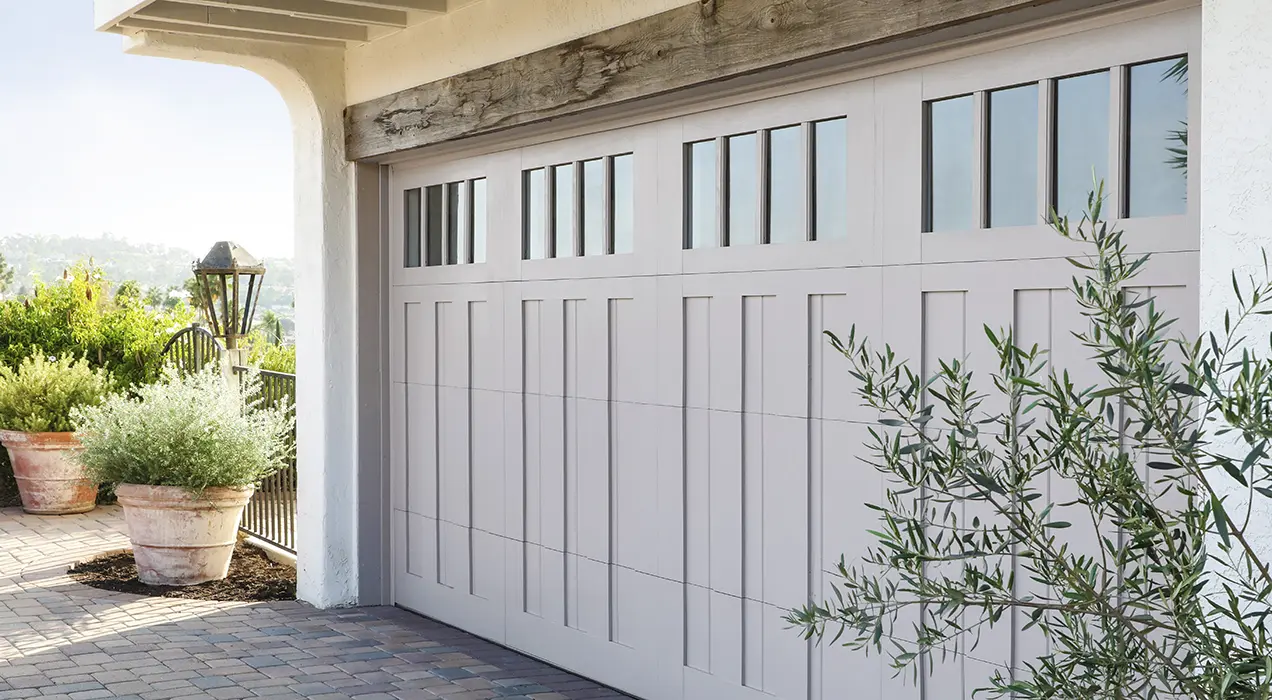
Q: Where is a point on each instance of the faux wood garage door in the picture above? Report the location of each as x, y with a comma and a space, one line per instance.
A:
620, 441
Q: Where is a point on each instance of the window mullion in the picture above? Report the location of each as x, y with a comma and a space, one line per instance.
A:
607, 197
722, 191
980, 159
808, 147
1115, 187
1046, 147
549, 211
762, 158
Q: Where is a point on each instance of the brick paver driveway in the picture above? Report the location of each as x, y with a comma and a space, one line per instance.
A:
59, 639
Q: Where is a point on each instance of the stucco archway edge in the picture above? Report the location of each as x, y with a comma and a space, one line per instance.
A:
311, 83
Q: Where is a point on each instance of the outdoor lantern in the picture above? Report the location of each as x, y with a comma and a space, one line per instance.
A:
231, 279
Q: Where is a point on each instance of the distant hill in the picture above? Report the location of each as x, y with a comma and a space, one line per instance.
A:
151, 266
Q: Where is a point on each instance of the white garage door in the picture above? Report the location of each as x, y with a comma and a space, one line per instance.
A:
620, 443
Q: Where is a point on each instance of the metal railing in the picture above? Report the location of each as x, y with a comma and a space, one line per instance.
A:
191, 349
271, 514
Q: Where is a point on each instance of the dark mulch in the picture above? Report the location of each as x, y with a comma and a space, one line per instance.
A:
253, 577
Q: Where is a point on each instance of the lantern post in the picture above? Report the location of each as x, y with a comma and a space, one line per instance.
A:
230, 279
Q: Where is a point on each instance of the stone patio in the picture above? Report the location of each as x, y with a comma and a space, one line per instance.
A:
59, 639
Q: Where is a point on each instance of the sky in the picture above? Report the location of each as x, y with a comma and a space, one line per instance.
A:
151, 150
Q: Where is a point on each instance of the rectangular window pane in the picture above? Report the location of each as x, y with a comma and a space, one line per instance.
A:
788, 196
1158, 132
830, 211
433, 204
411, 227
704, 215
950, 192
594, 207
479, 220
1082, 140
624, 204
744, 189
535, 247
1013, 157
452, 223
563, 210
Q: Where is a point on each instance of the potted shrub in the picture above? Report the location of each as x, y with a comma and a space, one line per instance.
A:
186, 454
36, 403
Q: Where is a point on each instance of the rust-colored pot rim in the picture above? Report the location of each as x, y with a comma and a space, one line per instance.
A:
37, 441
178, 498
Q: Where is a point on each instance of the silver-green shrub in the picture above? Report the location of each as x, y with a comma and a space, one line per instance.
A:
193, 431
39, 396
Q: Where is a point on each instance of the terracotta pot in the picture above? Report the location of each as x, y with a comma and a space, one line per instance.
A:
180, 538
50, 481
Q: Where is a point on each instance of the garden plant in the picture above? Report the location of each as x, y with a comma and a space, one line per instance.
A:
1164, 463
185, 454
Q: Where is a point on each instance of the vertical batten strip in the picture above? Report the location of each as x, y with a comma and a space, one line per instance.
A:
438, 352
611, 457
816, 319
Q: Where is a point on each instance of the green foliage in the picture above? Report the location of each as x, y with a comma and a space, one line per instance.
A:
194, 431
264, 353
41, 394
77, 316
1160, 465
274, 358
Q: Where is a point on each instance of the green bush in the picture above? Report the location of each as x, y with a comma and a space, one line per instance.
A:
265, 355
40, 395
194, 431
1163, 463
78, 315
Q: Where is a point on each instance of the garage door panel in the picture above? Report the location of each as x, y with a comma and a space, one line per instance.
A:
586, 653
633, 465
421, 475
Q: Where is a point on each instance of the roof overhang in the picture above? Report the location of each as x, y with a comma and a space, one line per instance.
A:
335, 23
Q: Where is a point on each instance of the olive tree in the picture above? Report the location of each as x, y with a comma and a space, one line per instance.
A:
1167, 464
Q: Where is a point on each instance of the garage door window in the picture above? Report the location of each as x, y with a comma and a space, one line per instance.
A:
1013, 157
951, 164
787, 184
1141, 110
445, 224
830, 178
581, 208
1157, 160
1081, 139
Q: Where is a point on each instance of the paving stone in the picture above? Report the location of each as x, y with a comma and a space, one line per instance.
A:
62, 641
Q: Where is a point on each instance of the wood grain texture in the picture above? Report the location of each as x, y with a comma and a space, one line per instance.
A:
706, 41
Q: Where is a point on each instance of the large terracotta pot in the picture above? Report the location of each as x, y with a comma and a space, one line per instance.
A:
50, 480
180, 538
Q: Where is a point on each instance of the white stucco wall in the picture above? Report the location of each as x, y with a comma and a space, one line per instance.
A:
311, 82
478, 34
1236, 171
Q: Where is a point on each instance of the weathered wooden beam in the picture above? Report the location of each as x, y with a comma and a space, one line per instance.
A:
313, 9
154, 25
263, 22
692, 45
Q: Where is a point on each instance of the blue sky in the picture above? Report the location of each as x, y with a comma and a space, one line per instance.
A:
152, 150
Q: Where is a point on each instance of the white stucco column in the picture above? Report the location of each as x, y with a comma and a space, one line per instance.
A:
1236, 174
311, 82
